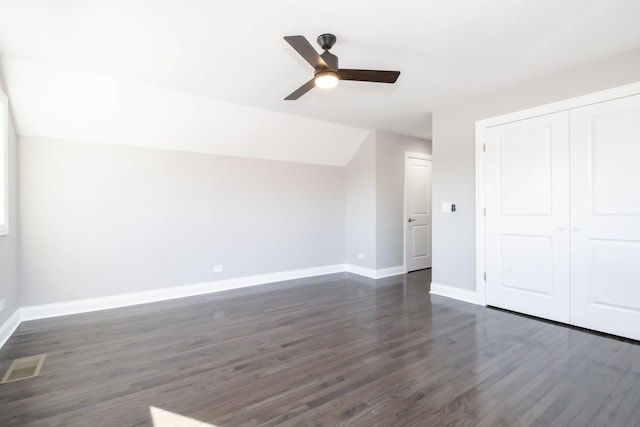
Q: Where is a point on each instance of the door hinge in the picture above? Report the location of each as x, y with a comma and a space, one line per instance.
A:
484, 211
484, 148
485, 276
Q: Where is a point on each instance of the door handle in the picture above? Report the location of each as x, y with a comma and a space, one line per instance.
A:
412, 219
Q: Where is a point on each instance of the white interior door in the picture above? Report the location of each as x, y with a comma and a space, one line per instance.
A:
527, 216
605, 195
417, 199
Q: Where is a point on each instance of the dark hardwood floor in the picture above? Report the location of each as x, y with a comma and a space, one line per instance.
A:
332, 350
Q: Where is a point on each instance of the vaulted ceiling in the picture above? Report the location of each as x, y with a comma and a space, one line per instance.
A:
215, 56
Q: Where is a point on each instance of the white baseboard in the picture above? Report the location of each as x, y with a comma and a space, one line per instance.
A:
115, 301
9, 327
390, 271
361, 271
35, 312
455, 293
374, 274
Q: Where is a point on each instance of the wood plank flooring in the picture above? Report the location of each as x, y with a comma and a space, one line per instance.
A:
332, 350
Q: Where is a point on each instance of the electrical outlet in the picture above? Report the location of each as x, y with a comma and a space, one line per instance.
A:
360, 256
3, 304
218, 268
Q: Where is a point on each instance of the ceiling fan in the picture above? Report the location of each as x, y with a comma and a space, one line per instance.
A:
326, 71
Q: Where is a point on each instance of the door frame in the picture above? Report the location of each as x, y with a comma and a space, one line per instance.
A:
482, 125
421, 156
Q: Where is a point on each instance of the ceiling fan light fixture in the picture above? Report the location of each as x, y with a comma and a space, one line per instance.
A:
326, 79
327, 73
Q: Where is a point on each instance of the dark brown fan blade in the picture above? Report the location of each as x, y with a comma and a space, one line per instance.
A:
369, 75
301, 90
304, 48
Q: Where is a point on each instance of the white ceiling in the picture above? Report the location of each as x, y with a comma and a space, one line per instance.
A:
233, 52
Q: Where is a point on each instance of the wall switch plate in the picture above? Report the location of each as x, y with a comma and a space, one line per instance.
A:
360, 256
3, 304
448, 207
218, 268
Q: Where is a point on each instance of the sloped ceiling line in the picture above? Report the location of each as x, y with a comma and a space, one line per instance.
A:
54, 102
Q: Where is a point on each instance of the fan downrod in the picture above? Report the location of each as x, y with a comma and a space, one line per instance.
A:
326, 41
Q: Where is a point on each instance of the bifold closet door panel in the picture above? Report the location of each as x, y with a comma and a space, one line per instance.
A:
527, 216
605, 210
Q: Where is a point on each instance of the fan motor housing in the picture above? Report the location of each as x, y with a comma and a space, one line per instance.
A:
331, 60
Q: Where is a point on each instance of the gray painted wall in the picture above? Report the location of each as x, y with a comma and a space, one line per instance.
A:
361, 205
454, 154
390, 149
9, 242
102, 219
375, 199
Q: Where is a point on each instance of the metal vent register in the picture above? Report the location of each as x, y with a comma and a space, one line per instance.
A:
23, 368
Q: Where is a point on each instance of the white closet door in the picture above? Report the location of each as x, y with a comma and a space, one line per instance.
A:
605, 196
527, 216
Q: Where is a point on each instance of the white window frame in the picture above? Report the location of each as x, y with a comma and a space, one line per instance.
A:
4, 164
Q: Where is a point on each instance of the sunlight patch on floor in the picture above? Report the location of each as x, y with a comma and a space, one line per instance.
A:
162, 418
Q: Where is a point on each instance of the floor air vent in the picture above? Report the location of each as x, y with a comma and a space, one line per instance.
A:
23, 368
